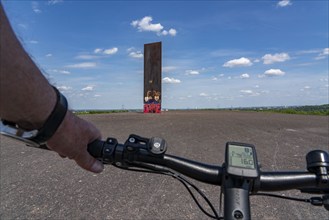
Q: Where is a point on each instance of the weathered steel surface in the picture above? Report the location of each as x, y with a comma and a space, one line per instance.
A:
152, 77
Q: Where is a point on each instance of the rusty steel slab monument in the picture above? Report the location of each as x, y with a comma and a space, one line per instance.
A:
152, 77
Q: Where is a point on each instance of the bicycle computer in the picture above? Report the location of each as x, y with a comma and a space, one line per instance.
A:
241, 160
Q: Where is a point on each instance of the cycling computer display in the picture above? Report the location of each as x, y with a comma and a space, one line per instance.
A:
241, 160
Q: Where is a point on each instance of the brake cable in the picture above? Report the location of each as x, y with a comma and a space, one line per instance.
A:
156, 169
317, 201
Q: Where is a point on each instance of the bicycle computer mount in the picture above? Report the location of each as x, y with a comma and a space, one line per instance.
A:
241, 160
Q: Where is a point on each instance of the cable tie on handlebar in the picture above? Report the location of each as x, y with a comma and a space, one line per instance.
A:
108, 150
317, 201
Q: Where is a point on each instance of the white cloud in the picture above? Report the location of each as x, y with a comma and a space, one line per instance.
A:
306, 88
325, 51
64, 72
131, 49
319, 57
60, 71
274, 72
98, 50
111, 51
284, 3
88, 88
49, 55
192, 72
249, 92
278, 57
63, 88
86, 57
35, 7
238, 62
136, 54
54, 2
203, 94
323, 54
164, 33
132, 52
25, 26
245, 76
33, 42
145, 24
246, 91
82, 65
167, 69
301, 52
170, 80
172, 32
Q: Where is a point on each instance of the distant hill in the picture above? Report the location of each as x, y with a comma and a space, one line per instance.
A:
306, 110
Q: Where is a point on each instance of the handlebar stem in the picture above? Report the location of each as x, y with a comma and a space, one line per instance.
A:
236, 198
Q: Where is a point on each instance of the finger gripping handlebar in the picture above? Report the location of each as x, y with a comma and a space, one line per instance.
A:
103, 150
95, 148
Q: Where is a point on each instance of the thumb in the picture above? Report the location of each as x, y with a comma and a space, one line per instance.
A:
87, 162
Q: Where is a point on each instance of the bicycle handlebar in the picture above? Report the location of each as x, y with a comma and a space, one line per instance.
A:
196, 170
123, 155
237, 187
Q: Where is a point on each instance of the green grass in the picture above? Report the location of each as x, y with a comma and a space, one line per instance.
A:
91, 112
300, 110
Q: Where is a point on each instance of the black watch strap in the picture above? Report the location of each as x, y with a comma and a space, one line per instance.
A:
53, 121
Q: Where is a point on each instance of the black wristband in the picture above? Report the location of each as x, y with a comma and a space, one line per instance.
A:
53, 121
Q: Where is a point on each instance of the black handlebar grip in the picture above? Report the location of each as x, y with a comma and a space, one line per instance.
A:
95, 148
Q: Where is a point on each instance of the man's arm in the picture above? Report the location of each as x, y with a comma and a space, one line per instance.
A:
21, 83
27, 99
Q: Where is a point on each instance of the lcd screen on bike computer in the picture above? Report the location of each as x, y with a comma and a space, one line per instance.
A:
241, 160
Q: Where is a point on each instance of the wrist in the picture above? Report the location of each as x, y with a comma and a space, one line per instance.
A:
72, 136
29, 109
37, 116
54, 120
37, 137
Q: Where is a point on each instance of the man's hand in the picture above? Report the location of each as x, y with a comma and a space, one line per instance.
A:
27, 99
71, 140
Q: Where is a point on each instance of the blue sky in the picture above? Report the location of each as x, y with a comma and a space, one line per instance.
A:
214, 53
